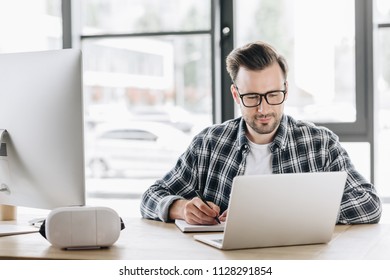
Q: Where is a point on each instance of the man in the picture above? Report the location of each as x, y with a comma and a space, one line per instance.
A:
264, 140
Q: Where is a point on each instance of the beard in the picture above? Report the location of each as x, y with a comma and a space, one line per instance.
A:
263, 128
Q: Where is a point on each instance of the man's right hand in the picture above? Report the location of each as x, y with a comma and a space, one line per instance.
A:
194, 211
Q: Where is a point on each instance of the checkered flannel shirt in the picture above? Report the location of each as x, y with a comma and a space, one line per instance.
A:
218, 154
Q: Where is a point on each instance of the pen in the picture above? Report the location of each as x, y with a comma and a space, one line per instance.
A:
205, 202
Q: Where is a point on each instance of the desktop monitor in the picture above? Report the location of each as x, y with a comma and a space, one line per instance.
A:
41, 122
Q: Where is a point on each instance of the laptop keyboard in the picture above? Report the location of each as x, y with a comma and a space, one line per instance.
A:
218, 240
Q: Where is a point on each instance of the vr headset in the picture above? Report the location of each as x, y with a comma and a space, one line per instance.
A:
80, 227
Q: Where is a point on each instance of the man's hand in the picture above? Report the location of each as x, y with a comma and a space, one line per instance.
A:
223, 216
194, 211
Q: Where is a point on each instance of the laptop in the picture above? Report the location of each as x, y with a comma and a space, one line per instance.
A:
280, 210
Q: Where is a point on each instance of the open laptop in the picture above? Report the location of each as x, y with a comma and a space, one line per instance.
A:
280, 210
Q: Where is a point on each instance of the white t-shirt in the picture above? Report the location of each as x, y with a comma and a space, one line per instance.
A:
259, 159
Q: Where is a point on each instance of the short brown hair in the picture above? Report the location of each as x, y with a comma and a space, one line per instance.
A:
254, 56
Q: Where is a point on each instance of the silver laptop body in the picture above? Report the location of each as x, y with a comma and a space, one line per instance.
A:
280, 210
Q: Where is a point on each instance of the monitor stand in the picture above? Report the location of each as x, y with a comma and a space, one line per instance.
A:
7, 213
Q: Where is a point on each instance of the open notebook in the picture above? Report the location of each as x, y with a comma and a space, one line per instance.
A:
280, 210
186, 227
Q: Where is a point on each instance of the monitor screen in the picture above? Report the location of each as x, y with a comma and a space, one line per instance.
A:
41, 123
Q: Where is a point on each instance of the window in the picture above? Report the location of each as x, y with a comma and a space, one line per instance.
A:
147, 65
30, 25
144, 16
320, 52
329, 83
382, 90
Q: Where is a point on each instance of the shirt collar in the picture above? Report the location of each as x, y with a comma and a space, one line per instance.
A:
241, 136
281, 134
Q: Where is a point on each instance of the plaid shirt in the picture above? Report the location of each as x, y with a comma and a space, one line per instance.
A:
218, 154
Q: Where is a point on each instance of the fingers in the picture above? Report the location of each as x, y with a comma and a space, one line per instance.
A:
223, 216
197, 212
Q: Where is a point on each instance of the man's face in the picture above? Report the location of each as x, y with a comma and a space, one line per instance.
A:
262, 121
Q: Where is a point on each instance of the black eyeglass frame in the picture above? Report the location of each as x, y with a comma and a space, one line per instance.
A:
261, 96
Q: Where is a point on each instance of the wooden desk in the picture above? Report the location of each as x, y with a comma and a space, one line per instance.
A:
151, 240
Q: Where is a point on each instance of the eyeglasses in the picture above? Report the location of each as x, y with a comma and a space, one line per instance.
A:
274, 97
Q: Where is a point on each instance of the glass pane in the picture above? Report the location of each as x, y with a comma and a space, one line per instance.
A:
30, 25
320, 52
359, 153
134, 16
382, 67
157, 87
382, 11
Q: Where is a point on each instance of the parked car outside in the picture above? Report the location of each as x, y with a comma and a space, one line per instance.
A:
174, 116
134, 149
